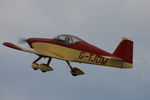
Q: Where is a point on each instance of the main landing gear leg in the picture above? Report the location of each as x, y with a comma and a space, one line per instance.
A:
69, 65
49, 60
75, 71
45, 67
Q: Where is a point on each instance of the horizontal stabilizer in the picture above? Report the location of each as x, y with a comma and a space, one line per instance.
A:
137, 61
114, 58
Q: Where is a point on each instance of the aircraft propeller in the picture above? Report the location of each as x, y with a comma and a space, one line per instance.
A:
22, 40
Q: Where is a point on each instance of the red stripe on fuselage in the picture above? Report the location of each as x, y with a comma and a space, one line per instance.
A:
82, 46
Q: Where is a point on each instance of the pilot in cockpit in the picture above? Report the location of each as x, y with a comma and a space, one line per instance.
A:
67, 39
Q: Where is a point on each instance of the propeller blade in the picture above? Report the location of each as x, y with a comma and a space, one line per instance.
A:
22, 40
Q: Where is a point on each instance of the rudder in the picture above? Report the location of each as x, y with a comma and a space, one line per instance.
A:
125, 50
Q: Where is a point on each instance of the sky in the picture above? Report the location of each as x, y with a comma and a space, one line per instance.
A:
100, 22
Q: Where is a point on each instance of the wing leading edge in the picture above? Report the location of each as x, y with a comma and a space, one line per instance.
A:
30, 50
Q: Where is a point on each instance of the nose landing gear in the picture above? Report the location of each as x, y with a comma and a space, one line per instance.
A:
35, 65
43, 67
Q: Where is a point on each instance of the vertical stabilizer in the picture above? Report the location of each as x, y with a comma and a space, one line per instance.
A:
125, 50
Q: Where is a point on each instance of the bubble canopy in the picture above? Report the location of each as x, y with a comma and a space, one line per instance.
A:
70, 39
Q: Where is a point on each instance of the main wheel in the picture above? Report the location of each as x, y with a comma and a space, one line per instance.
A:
74, 74
76, 71
45, 68
43, 71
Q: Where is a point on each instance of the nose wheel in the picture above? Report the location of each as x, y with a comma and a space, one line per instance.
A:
35, 65
75, 71
43, 67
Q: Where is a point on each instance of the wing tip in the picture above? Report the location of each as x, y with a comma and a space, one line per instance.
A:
8, 44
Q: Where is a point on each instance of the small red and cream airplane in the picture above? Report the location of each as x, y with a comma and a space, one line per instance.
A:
73, 49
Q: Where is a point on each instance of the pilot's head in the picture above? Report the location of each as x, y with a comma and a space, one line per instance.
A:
67, 39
